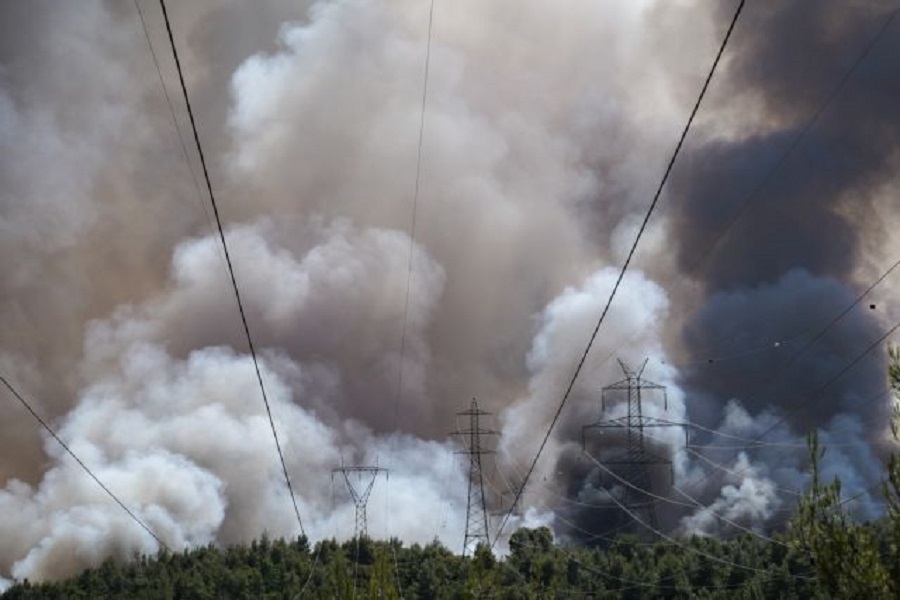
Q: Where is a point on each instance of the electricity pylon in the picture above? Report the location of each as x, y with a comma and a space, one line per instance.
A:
636, 460
359, 493
476, 508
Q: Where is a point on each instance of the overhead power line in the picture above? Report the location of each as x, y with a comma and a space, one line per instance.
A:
165, 90
624, 268
674, 541
821, 333
412, 225
234, 285
821, 389
409, 267
607, 538
816, 394
87, 470
712, 248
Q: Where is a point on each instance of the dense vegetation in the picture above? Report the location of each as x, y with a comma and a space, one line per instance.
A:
853, 560
535, 568
824, 554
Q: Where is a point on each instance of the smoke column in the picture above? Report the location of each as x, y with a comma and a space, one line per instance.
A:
546, 130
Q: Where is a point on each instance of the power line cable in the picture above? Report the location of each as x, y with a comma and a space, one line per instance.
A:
822, 332
694, 503
792, 359
698, 503
756, 442
624, 268
412, 225
732, 472
171, 106
712, 248
815, 394
607, 538
819, 335
228, 261
812, 396
87, 470
676, 542
795, 143
412, 249
761, 444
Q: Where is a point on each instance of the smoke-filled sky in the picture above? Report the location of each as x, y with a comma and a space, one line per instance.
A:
547, 127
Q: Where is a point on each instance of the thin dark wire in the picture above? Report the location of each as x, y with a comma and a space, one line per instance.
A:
609, 539
234, 285
813, 395
181, 142
412, 226
80, 463
672, 540
795, 143
824, 330
412, 249
623, 270
165, 90
745, 203
830, 382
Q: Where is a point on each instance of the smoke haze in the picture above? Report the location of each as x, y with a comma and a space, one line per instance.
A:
546, 130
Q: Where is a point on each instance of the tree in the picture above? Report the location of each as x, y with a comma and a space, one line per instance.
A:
381, 584
850, 559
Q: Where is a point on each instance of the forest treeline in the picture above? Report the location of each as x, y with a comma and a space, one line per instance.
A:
745, 567
824, 553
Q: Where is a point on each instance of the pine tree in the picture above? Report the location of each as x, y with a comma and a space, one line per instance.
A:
849, 559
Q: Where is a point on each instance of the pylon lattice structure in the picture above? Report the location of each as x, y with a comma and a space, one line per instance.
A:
359, 492
476, 509
635, 462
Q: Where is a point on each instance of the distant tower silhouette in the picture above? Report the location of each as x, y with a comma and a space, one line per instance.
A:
365, 480
636, 460
476, 508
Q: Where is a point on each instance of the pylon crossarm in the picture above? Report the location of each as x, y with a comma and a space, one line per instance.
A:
476, 431
649, 385
635, 422
619, 385
640, 461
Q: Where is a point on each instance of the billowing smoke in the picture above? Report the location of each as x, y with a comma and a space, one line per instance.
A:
812, 236
546, 130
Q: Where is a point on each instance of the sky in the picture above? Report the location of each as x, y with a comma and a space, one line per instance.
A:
387, 282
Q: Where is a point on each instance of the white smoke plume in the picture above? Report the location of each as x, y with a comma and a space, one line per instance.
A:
546, 128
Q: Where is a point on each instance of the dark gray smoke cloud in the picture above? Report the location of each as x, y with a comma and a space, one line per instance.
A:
546, 128
809, 240
821, 230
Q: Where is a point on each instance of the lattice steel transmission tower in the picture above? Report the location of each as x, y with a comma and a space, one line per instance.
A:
359, 493
635, 462
476, 508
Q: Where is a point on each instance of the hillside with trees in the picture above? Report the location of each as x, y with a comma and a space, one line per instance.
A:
535, 568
